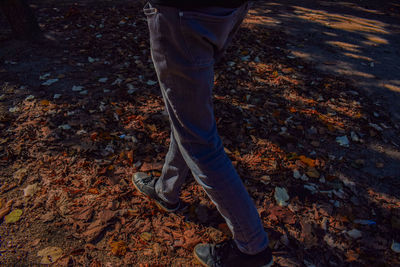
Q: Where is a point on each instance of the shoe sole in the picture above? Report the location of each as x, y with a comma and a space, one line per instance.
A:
161, 207
206, 265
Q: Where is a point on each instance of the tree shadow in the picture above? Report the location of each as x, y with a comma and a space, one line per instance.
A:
275, 113
352, 39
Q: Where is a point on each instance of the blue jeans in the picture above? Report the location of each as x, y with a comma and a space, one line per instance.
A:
184, 47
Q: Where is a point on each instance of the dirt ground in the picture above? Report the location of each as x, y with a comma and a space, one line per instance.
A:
358, 40
306, 100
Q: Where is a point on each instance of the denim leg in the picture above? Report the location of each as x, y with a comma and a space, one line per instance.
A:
183, 46
173, 174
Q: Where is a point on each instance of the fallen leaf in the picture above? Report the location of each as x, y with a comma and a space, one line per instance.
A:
50, 255
146, 167
308, 161
45, 102
30, 190
6, 209
93, 230
14, 216
313, 173
352, 255
7, 187
223, 227
146, 236
48, 217
93, 191
118, 248
279, 214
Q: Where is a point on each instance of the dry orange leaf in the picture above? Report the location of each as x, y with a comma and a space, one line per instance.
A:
93, 136
351, 255
308, 161
152, 127
312, 172
129, 154
146, 236
276, 114
118, 248
45, 102
94, 191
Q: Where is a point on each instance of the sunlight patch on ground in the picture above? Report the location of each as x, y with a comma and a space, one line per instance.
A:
355, 56
330, 34
341, 21
377, 39
345, 46
352, 72
392, 87
385, 150
351, 5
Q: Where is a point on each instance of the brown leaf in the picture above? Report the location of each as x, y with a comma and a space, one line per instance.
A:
351, 255
118, 248
282, 214
94, 191
312, 172
6, 209
308, 237
48, 217
106, 215
85, 214
94, 230
308, 161
146, 167
190, 239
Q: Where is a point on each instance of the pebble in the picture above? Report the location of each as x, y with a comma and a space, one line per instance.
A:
50, 82
343, 141
65, 127
395, 247
13, 109
77, 88
29, 97
375, 126
150, 82
281, 196
296, 174
354, 233
354, 137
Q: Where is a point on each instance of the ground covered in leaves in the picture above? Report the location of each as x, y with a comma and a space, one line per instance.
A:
320, 160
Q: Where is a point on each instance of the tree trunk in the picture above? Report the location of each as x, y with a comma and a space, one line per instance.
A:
21, 18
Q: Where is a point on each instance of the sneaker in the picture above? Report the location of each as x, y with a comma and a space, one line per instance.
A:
226, 254
146, 185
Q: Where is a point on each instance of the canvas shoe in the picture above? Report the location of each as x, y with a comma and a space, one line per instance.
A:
146, 185
226, 254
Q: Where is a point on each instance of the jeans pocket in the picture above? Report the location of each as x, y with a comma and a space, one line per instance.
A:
210, 14
149, 10
204, 32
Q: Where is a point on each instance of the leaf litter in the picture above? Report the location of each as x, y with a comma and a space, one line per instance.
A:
67, 163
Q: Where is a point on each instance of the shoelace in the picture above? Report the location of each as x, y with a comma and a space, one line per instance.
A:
147, 180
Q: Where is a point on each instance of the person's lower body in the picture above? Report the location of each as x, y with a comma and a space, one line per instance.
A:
184, 47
